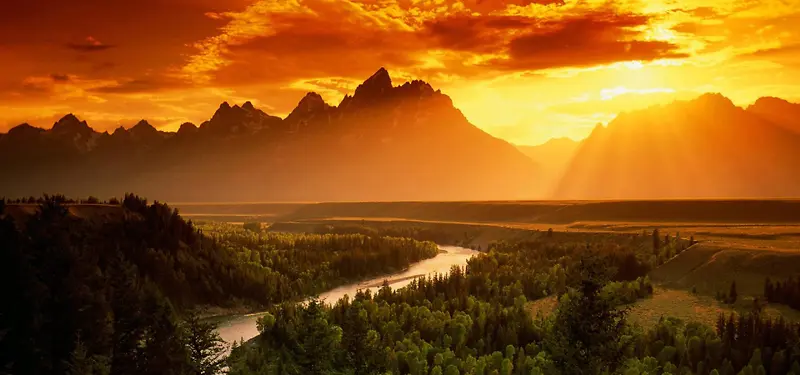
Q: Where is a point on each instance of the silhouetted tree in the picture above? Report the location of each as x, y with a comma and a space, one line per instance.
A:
656, 240
732, 294
588, 330
768, 290
206, 348
252, 226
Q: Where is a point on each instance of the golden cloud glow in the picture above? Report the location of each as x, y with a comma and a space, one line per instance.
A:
524, 70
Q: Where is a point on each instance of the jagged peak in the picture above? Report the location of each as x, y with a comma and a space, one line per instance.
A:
224, 106
70, 122
310, 103
25, 128
143, 128
417, 87
312, 99
311, 95
381, 75
143, 124
248, 106
69, 117
376, 84
120, 130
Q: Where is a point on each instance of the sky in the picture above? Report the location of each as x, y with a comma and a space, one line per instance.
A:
525, 71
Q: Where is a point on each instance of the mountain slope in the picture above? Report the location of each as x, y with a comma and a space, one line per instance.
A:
777, 111
384, 142
702, 148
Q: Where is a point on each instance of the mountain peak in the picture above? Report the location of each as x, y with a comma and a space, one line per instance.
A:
248, 106
142, 124
777, 111
714, 100
187, 128
143, 130
71, 125
25, 128
768, 100
377, 84
312, 99
417, 88
311, 104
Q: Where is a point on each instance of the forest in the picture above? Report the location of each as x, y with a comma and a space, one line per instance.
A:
122, 296
118, 296
475, 321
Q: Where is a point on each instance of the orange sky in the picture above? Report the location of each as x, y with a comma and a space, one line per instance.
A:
522, 70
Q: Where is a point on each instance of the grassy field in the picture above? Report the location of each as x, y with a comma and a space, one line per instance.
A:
679, 304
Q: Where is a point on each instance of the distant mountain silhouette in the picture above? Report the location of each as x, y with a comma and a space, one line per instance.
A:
778, 111
384, 142
552, 157
702, 148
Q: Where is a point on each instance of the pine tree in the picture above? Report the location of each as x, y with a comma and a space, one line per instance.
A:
587, 333
206, 348
733, 295
656, 240
769, 290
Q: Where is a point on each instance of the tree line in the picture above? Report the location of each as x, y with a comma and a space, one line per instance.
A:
786, 292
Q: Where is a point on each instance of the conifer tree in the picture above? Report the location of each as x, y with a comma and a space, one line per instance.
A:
587, 336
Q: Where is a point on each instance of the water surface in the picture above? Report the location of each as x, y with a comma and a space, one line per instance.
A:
244, 326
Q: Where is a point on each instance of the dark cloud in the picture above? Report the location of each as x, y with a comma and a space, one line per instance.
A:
304, 45
473, 33
59, 77
89, 45
592, 39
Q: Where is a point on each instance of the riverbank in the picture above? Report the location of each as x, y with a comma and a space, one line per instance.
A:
242, 327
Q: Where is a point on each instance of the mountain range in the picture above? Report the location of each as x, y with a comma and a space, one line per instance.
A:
384, 142
702, 148
408, 142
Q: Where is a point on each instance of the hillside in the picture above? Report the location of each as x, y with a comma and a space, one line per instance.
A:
703, 148
384, 142
778, 111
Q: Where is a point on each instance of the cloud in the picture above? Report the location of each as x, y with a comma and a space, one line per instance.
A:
132, 86
791, 50
474, 33
89, 45
282, 42
59, 77
591, 39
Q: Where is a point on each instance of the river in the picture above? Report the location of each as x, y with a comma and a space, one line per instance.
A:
244, 326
